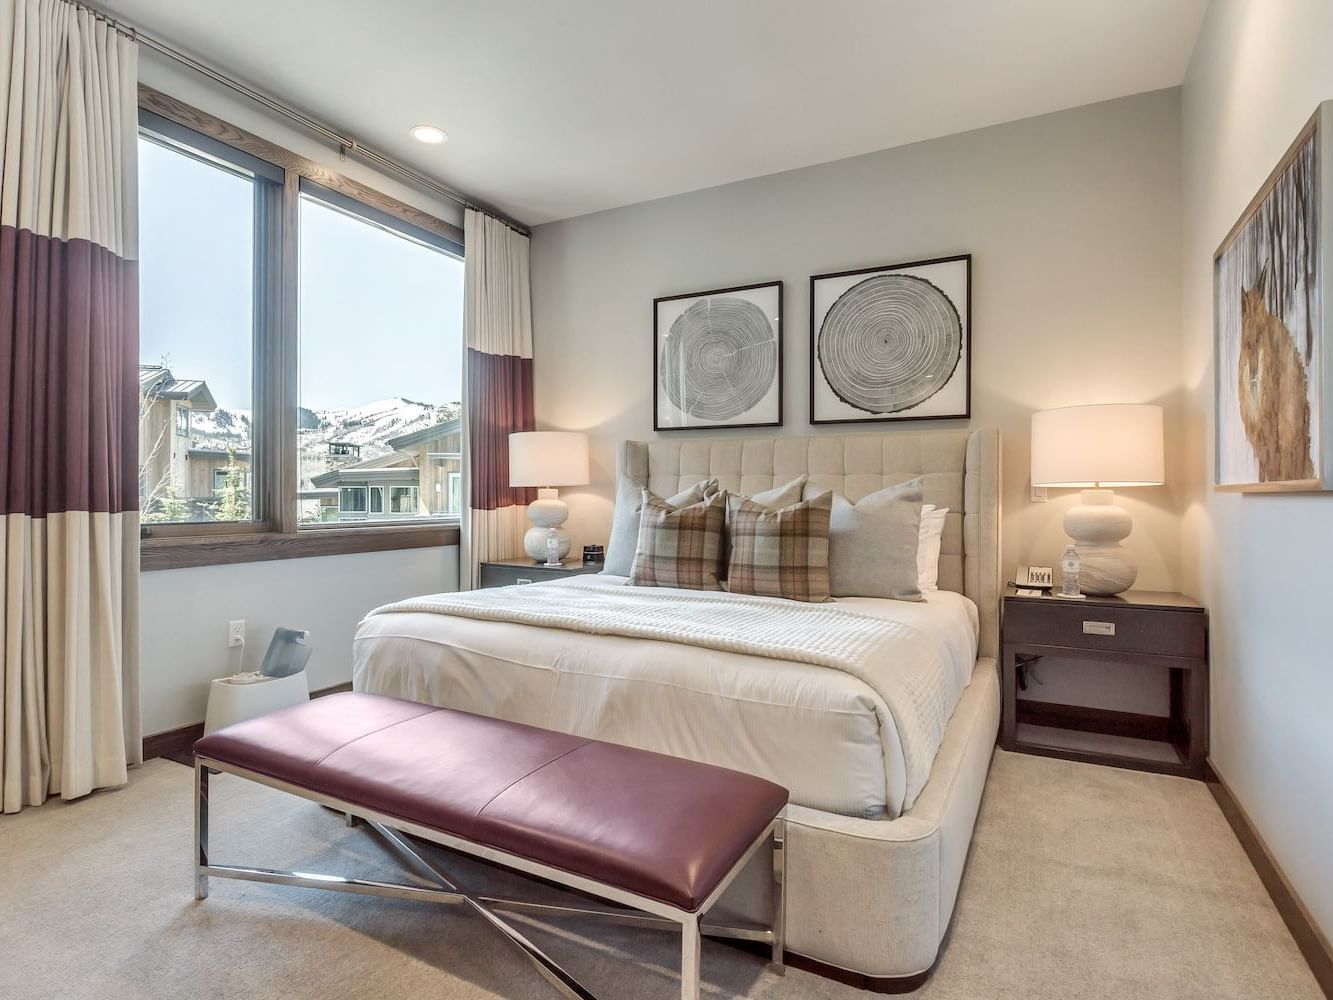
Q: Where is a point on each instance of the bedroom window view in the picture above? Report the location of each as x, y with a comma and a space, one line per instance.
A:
381, 327
197, 247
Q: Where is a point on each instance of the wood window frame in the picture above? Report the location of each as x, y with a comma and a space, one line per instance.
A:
276, 533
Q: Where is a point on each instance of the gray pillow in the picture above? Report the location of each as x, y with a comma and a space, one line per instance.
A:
872, 544
625, 520
774, 499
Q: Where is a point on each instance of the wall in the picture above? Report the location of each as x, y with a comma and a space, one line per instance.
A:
1261, 562
1073, 221
184, 613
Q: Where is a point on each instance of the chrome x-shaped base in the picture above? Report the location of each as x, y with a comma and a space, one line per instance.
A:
645, 913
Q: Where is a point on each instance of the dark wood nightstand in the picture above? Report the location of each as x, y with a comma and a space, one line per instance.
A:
508, 572
1138, 627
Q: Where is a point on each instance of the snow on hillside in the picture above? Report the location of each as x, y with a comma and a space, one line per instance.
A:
370, 426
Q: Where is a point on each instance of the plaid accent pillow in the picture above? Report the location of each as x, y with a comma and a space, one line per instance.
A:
679, 546
781, 553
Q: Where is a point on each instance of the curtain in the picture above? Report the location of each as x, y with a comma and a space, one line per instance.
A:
69, 549
497, 392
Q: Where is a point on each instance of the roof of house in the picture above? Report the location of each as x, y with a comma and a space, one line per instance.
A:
218, 453
158, 382
426, 434
359, 472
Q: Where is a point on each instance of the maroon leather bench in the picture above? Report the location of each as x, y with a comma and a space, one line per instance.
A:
659, 834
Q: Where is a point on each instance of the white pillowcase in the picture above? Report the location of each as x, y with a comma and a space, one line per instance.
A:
928, 547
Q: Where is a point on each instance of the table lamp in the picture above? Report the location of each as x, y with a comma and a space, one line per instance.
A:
547, 459
1097, 448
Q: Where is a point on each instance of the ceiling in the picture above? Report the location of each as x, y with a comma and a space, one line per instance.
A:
555, 108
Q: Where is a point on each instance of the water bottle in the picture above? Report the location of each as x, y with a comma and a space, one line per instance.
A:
552, 548
1069, 564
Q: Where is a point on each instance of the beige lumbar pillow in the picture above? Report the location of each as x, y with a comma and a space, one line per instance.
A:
625, 520
873, 544
780, 553
679, 545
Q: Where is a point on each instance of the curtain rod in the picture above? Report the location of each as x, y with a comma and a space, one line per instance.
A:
344, 142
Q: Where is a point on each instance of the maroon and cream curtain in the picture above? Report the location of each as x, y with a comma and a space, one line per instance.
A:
498, 389
69, 552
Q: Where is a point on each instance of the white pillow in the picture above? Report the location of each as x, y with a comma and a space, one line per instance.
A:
928, 547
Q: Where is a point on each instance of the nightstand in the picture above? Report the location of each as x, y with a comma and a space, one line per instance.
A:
508, 572
1164, 630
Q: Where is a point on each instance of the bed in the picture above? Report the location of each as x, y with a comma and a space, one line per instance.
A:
876, 844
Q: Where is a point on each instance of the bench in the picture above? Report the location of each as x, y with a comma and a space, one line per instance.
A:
659, 837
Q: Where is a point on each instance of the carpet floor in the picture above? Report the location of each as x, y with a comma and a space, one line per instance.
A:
1084, 882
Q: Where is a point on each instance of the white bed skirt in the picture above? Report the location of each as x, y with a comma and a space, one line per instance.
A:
874, 897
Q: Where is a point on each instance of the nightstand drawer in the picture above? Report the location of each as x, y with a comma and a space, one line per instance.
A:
521, 571
1099, 626
507, 576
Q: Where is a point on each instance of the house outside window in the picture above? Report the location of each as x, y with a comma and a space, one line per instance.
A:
182, 421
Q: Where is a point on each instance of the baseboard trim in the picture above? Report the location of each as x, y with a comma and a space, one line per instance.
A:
181, 739
1309, 938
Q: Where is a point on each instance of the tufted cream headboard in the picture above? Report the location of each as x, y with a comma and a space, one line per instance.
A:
959, 470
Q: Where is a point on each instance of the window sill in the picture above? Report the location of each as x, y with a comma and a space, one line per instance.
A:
219, 549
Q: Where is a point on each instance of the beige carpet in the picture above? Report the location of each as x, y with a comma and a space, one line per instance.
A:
1084, 882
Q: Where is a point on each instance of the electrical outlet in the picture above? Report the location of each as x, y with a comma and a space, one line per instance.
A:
236, 633
1039, 494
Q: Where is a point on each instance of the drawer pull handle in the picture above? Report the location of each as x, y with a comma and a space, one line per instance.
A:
1099, 628
522, 580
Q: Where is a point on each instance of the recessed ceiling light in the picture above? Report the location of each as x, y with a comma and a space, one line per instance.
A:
429, 134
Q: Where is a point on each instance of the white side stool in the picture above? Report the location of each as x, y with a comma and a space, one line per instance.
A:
231, 699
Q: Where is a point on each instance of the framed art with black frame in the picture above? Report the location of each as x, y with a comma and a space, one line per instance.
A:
892, 343
717, 358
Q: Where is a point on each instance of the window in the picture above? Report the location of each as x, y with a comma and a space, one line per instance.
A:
381, 349
403, 501
201, 206
352, 500
455, 494
302, 352
230, 479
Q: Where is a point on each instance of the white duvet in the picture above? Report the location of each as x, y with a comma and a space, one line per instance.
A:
843, 703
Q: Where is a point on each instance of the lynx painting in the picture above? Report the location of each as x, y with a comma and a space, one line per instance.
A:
1269, 334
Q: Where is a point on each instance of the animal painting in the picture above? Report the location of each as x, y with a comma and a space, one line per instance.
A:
1274, 396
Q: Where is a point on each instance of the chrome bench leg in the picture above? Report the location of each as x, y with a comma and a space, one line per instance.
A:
690, 948
200, 831
779, 895
550, 970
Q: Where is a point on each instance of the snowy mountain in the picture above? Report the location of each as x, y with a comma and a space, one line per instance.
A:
369, 426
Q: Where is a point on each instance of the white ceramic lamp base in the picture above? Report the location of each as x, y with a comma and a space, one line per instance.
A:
1097, 527
547, 512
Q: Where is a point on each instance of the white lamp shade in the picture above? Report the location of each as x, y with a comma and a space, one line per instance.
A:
548, 458
1107, 444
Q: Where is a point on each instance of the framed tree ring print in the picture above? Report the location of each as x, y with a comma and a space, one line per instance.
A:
717, 358
892, 343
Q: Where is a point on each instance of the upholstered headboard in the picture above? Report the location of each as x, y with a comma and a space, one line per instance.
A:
959, 470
